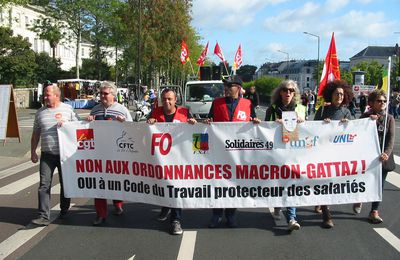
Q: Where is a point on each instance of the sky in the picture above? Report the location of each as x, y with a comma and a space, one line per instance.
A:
263, 27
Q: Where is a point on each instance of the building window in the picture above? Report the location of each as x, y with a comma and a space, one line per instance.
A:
308, 79
308, 85
26, 21
83, 52
308, 70
35, 45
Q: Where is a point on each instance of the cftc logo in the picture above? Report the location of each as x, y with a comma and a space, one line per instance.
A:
200, 143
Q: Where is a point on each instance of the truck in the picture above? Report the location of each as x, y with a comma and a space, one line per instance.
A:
199, 94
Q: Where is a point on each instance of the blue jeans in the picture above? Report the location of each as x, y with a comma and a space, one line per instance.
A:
176, 215
48, 163
290, 213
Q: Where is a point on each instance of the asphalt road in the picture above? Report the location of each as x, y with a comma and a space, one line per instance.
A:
138, 235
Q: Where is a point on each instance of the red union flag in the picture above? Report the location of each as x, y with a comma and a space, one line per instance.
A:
218, 52
330, 71
184, 52
238, 58
202, 57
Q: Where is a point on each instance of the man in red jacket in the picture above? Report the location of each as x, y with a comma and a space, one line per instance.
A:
231, 108
169, 112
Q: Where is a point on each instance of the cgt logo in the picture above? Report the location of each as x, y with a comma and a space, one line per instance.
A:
200, 143
343, 139
85, 138
163, 141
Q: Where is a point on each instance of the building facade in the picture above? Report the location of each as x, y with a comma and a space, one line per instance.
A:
21, 18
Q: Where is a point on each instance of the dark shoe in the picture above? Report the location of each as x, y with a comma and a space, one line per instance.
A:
99, 221
215, 221
63, 214
328, 223
163, 214
318, 210
118, 211
231, 222
176, 228
374, 217
40, 222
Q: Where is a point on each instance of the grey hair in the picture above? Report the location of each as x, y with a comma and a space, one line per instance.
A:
56, 89
109, 85
276, 96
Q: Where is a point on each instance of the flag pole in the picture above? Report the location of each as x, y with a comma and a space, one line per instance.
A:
191, 66
227, 72
387, 104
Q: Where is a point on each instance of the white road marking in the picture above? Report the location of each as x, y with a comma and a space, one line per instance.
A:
15, 241
56, 189
389, 237
20, 185
16, 169
396, 159
393, 178
186, 250
132, 257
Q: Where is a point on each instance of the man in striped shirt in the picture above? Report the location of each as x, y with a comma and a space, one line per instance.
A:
108, 109
47, 119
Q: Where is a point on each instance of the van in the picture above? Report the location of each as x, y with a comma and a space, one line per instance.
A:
199, 96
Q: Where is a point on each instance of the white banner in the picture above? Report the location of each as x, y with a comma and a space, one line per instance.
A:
222, 165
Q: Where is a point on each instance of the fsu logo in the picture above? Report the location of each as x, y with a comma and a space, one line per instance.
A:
200, 143
85, 138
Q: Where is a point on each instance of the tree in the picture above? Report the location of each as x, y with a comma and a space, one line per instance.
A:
373, 71
92, 69
48, 68
17, 2
17, 60
49, 29
247, 72
74, 14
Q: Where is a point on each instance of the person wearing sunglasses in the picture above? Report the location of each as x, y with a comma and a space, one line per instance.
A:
286, 97
377, 101
337, 94
108, 109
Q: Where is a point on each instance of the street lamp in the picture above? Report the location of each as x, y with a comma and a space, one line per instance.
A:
317, 59
287, 69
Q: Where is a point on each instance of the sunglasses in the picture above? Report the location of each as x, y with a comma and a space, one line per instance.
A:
381, 101
288, 89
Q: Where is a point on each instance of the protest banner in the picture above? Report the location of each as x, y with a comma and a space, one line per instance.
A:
222, 165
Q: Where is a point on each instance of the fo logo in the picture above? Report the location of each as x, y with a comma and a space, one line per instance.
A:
85, 138
200, 143
163, 141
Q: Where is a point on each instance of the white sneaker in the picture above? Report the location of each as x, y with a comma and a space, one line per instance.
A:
293, 225
357, 208
277, 213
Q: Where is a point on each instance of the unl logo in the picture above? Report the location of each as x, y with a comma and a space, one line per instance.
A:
241, 115
163, 141
200, 143
85, 138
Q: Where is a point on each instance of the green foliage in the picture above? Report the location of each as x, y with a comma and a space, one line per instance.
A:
47, 68
49, 29
17, 60
265, 85
246, 72
92, 69
373, 72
